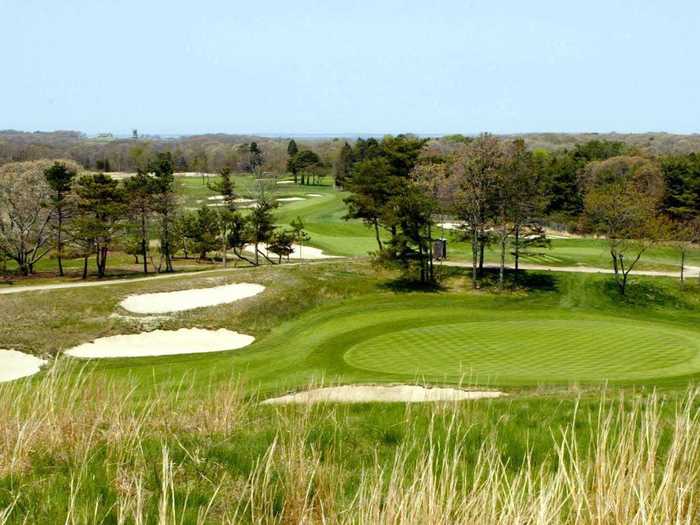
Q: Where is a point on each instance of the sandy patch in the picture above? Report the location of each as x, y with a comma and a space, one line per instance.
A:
303, 252
14, 365
451, 225
386, 394
181, 300
290, 199
162, 342
314, 195
285, 182
216, 198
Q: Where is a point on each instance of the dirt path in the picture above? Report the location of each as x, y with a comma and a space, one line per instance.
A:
127, 280
690, 271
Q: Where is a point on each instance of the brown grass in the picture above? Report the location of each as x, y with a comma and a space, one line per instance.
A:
629, 473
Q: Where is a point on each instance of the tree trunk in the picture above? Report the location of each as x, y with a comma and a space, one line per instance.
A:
475, 258
376, 234
682, 267
85, 267
502, 266
225, 249
482, 248
516, 254
59, 244
144, 243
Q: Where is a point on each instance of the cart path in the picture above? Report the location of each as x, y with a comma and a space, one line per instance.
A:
690, 271
11, 289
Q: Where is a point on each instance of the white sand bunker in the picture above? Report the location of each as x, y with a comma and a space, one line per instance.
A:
300, 252
451, 225
386, 394
314, 195
162, 342
14, 365
167, 302
290, 199
285, 182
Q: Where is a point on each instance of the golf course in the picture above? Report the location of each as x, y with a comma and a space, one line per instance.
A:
326, 385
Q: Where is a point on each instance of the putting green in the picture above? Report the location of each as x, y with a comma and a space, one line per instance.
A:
531, 350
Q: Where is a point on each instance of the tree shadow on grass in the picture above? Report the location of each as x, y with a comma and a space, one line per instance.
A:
524, 280
405, 285
646, 293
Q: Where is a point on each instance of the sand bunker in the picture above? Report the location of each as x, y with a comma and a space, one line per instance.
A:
314, 195
386, 394
303, 252
285, 182
167, 302
162, 342
451, 225
290, 199
14, 365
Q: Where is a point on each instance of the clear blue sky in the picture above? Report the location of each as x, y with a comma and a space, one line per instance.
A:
350, 66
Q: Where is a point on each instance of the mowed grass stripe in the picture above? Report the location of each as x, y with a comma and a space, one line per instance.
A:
532, 350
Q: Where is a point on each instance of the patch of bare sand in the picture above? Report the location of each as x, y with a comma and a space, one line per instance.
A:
299, 252
384, 394
162, 342
181, 300
15, 365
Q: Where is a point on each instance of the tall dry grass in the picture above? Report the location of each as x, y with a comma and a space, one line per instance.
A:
639, 465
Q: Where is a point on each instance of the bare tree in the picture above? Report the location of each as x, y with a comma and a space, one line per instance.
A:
25, 213
475, 167
622, 197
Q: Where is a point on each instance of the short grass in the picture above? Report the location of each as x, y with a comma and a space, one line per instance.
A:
343, 322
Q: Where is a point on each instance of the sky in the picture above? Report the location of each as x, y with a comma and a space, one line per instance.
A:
350, 67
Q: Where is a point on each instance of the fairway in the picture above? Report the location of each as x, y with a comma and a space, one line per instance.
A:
546, 350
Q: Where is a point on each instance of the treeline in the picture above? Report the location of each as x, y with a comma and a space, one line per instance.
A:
504, 195
56, 207
206, 153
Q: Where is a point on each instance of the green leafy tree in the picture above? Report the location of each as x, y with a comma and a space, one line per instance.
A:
306, 163
226, 188
101, 209
261, 225
164, 205
343, 166
256, 157
292, 148
60, 177
299, 234
140, 191
281, 244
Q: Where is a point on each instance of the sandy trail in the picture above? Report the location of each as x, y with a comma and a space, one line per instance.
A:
162, 342
690, 271
181, 300
111, 282
290, 199
303, 252
15, 365
386, 394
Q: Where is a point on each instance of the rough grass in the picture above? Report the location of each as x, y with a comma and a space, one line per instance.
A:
77, 449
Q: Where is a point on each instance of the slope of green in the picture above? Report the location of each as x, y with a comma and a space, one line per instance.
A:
342, 322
